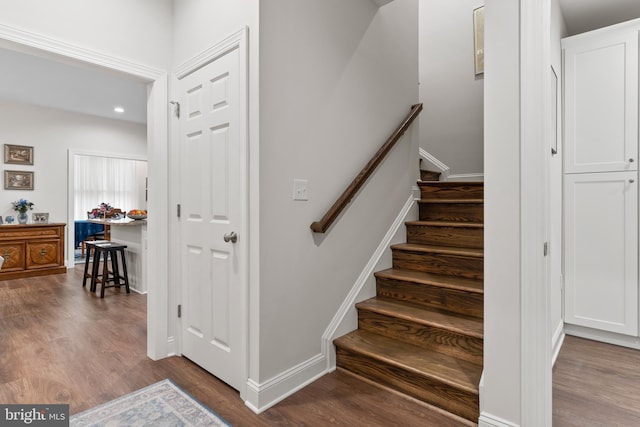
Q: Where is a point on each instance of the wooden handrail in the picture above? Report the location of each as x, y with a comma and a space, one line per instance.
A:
342, 202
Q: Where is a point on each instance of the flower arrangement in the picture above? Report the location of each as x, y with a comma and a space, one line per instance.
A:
22, 205
101, 210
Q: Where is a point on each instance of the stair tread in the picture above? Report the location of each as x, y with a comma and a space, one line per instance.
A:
447, 369
446, 250
447, 224
433, 279
470, 326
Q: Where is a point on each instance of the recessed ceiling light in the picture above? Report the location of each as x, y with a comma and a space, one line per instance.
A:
119, 110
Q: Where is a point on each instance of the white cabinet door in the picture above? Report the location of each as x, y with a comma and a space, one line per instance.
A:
601, 102
601, 251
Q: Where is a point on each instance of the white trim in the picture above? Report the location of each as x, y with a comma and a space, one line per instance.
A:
445, 171
260, 397
488, 420
58, 47
158, 310
433, 161
238, 40
340, 322
466, 177
535, 317
602, 336
556, 342
221, 48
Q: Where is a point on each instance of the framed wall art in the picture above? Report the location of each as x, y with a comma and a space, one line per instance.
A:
18, 154
18, 180
478, 39
41, 217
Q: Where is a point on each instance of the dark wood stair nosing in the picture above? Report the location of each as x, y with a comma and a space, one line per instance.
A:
437, 249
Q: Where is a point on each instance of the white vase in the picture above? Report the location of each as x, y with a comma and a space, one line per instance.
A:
23, 218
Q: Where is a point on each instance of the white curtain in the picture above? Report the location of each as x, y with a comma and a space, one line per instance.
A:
118, 182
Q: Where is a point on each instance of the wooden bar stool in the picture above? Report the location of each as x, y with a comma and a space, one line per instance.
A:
89, 274
109, 251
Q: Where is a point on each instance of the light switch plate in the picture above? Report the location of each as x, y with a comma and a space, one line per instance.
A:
300, 189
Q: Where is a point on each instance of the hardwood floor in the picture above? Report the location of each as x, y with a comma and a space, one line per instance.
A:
61, 344
596, 384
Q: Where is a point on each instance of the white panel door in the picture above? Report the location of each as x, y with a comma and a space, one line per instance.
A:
601, 102
211, 147
601, 251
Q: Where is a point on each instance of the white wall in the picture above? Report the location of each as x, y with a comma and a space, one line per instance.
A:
558, 30
451, 125
51, 133
135, 30
336, 78
500, 393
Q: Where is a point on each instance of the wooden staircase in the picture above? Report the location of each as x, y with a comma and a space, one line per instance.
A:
422, 334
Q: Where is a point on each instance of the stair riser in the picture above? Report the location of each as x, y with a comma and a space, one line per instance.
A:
429, 175
453, 265
452, 212
462, 237
430, 390
469, 303
430, 337
452, 190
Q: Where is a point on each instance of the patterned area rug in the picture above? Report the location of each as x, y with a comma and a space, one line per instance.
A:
162, 404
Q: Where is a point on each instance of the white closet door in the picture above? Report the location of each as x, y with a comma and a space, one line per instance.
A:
601, 251
601, 102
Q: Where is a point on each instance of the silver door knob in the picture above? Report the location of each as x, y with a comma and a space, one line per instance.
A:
231, 237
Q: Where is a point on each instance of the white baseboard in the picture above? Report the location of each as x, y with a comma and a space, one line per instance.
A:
260, 397
435, 164
488, 420
556, 342
345, 320
445, 171
602, 336
466, 177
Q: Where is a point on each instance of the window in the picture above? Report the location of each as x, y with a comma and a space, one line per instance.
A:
119, 182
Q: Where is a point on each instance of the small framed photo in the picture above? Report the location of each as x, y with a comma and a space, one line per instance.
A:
18, 180
18, 154
40, 218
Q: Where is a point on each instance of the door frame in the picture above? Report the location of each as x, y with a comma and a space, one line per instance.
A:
158, 341
237, 40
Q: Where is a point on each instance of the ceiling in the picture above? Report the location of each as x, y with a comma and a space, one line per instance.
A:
586, 15
64, 84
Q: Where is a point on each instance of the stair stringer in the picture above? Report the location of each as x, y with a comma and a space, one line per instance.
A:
346, 318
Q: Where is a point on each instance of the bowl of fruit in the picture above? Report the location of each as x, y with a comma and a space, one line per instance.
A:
137, 214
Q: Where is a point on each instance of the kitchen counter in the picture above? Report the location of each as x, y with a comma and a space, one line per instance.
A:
132, 233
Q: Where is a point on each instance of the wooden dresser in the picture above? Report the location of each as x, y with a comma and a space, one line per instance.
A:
31, 250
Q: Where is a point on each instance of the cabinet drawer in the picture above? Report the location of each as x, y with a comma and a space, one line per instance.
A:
13, 254
43, 253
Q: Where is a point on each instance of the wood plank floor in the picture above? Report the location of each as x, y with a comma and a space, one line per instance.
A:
596, 384
61, 344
